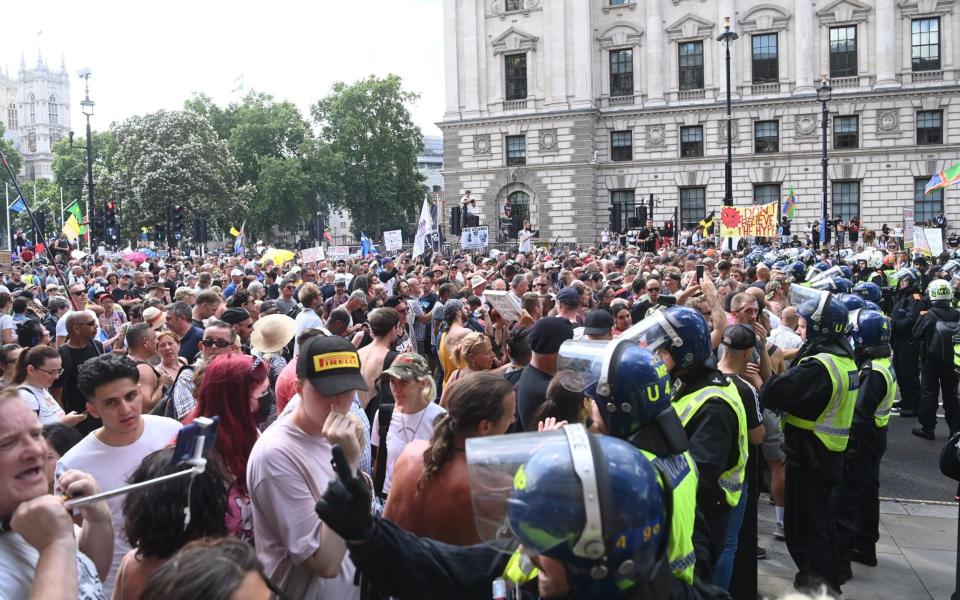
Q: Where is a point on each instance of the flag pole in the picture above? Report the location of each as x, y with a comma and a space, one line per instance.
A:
61, 207
6, 197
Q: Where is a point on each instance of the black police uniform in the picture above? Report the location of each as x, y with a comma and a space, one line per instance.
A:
935, 377
903, 316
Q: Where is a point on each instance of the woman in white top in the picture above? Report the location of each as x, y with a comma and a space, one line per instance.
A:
37, 368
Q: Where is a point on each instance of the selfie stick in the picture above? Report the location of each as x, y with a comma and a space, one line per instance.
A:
198, 462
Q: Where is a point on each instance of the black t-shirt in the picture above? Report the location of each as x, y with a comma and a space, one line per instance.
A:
531, 393
72, 399
121, 294
750, 399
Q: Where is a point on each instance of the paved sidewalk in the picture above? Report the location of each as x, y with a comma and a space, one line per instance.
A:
916, 555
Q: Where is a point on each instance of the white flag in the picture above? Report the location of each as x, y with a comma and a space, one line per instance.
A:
424, 227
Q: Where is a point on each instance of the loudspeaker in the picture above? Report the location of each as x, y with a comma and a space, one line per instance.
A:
455, 220
641, 214
633, 223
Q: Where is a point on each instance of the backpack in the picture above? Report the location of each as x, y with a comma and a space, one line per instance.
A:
946, 335
166, 407
380, 470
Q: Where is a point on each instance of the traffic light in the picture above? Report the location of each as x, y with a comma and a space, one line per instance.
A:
161, 231
38, 236
110, 222
95, 225
176, 222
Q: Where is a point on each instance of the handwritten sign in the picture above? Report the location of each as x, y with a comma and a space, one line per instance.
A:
749, 221
313, 255
339, 252
392, 240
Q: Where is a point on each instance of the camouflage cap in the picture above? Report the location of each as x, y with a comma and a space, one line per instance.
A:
409, 365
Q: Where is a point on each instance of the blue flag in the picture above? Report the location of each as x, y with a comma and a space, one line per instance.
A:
366, 245
19, 206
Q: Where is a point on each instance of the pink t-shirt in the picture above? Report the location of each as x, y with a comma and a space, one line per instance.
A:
286, 385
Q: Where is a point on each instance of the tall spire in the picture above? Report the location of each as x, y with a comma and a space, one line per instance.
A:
40, 63
63, 64
23, 62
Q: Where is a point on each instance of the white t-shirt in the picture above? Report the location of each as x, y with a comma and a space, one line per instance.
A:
62, 323
40, 402
524, 237
785, 338
6, 323
18, 566
112, 466
403, 430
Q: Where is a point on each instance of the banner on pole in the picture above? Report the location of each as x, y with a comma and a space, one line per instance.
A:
907, 227
313, 255
474, 238
392, 240
749, 221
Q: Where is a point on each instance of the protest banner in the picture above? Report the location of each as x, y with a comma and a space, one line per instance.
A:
749, 221
472, 238
505, 304
934, 240
6, 260
339, 252
392, 240
313, 255
920, 243
907, 227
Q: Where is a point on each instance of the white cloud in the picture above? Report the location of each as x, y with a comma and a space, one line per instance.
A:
145, 56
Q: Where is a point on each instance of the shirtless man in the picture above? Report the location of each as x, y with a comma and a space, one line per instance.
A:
384, 324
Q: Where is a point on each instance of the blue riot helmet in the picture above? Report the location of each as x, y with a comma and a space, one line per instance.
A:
596, 504
870, 333
826, 284
868, 291
951, 267
807, 257
872, 306
680, 330
630, 384
846, 271
798, 271
825, 318
907, 278
814, 271
852, 301
844, 285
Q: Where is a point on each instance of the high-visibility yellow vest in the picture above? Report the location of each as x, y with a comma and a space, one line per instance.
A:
832, 427
682, 473
882, 415
731, 481
520, 569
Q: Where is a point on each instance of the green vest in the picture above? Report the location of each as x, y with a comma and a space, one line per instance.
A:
731, 481
832, 427
682, 472
882, 416
520, 569
956, 355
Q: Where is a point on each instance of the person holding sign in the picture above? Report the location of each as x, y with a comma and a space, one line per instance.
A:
525, 237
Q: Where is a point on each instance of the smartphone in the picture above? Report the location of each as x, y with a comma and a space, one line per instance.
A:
190, 434
699, 273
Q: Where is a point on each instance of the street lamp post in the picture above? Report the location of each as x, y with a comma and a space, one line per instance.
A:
86, 106
121, 188
824, 92
366, 192
727, 37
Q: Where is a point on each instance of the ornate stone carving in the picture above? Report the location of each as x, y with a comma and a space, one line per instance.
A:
548, 139
723, 131
655, 135
806, 124
888, 120
481, 144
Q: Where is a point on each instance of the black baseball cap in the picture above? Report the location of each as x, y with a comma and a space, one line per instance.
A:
597, 322
739, 336
331, 365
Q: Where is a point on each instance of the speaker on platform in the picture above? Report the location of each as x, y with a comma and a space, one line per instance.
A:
455, 220
633, 223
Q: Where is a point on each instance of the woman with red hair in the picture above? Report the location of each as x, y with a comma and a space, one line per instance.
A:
231, 388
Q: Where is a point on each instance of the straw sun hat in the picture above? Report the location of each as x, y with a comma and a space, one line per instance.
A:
272, 332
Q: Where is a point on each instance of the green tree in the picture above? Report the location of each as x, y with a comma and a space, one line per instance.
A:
176, 157
13, 157
369, 120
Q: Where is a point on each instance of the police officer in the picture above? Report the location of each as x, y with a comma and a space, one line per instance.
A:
856, 500
713, 417
817, 397
903, 316
934, 333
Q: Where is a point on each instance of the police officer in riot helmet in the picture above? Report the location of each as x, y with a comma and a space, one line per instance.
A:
935, 333
856, 499
816, 397
906, 355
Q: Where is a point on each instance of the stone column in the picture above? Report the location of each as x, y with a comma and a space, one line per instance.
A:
803, 34
886, 45
471, 62
450, 72
725, 9
581, 48
654, 43
554, 53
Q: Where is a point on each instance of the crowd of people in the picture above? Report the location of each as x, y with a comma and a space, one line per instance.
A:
554, 423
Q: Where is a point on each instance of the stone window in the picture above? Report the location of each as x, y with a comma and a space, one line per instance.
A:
846, 132
766, 137
765, 193
12, 118
843, 51
515, 69
691, 141
929, 127
621, 145
693, 206
33, 108
622, 209
516, 150
621, 72
690, 61
846, 200
926, 206
765, 65
925, 44
52, 110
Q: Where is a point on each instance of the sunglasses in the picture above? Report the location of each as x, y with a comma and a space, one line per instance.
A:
76, 293
218, 343
653, 289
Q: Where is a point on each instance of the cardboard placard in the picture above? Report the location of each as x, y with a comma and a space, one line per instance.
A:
313, 255
505, 304
392, 240
338, 252
473, 238
6, 260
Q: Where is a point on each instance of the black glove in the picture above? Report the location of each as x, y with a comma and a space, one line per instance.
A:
345, 506
710, 591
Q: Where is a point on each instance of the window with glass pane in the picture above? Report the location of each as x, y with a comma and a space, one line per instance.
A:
621, 72
765, 65
621, 145
846, 132
693, 206
926, 206
925, 44
766, 137
843, 51
515, 69
765, 193
691, 141
691, 65
846, 199
929, 127
519, 213
516, 150
619, 2
622, 207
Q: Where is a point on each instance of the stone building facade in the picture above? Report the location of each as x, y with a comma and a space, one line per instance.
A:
36, 113
582, 111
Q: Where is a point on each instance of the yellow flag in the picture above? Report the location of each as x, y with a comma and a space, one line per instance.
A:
71, 228
234, 232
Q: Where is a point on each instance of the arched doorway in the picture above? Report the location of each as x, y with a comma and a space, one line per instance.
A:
516, 211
